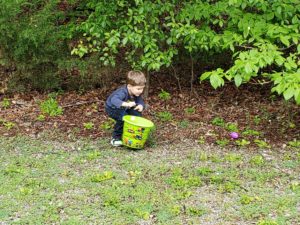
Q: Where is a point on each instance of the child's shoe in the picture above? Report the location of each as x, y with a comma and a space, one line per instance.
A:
116, 142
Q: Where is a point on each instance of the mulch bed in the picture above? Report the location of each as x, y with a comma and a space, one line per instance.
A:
250, 107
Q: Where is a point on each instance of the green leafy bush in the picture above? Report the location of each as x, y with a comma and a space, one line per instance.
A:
262, 37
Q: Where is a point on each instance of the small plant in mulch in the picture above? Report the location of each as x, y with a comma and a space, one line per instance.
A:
41, 118
190, 110
5, 103
51, 107
218, 121
250, 132
88, 125
165, 96
7, 124
108, 124
184, 123
165, 116
242, 142
256, 120
233, 127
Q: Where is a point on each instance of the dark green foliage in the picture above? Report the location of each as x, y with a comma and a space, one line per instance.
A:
33, 39
262, 37
259, 39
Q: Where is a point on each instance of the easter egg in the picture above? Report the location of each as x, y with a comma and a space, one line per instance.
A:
234, 135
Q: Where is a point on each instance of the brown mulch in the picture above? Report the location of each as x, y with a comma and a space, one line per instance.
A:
279, 120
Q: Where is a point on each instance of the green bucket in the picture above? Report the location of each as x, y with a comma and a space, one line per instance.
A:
136, 131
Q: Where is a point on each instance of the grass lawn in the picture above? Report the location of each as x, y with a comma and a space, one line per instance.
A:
52, 181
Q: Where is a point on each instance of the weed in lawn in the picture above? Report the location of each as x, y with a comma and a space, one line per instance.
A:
257, 160
204, 171
246, 199
215, 158
111, 199
99, 177
203, 156
233, 157
41, 182
227, 187
295, 186
178, 181
201, 140
195, 211
93, 155
261, 143
222, 142
183, 194
267, 222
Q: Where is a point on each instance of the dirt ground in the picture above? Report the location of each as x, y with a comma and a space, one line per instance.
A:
250, 107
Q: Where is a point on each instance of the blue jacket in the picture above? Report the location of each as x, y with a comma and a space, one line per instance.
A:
121, 95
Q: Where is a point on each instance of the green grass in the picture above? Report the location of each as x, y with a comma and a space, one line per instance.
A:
53, 181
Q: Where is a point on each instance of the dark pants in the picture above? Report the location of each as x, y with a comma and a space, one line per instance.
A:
117, 115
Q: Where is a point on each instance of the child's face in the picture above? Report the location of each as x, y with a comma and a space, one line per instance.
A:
135, 90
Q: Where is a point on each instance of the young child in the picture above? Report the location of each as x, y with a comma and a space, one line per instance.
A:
126, 100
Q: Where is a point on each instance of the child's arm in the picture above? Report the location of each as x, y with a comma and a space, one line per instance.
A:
128, 104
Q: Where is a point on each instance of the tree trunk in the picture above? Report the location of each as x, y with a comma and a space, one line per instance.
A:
192, 74
146, 91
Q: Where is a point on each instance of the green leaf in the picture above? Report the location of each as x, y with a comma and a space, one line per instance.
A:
205, 75
297, 97
288, 93
248, 68
216, 81
238, 80
284, 40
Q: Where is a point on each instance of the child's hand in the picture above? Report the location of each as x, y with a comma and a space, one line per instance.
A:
128, 104
139, 108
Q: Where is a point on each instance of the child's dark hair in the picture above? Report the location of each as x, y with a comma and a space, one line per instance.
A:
136, 78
